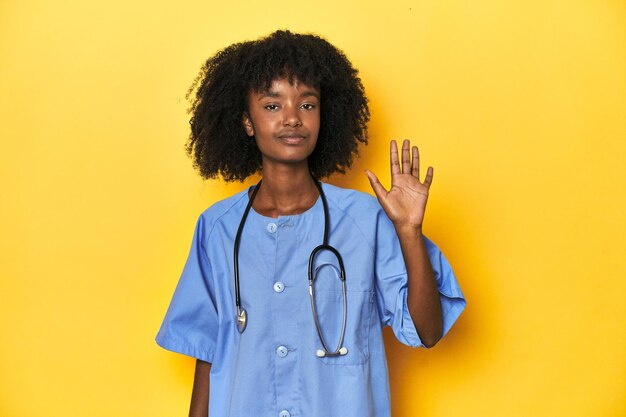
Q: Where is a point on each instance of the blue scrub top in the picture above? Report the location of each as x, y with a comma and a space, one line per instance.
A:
272, 369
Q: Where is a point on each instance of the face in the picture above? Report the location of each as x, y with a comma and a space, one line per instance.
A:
284, 121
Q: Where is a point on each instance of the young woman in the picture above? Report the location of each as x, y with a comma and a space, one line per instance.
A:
289, 283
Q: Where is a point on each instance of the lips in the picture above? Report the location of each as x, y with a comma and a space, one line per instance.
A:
292, 137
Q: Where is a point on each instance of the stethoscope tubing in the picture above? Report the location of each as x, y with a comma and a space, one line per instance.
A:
242, 317
342, 277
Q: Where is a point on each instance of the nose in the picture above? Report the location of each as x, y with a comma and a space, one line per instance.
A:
291, 117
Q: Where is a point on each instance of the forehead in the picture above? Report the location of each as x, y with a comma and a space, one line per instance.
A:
282, 85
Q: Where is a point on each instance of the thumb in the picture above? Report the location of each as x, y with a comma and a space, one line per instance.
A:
378, 188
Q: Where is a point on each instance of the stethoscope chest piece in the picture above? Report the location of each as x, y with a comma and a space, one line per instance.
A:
242, 319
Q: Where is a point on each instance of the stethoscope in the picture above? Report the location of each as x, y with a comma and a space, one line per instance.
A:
242, 315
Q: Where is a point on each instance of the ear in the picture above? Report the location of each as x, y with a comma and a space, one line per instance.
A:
247, 124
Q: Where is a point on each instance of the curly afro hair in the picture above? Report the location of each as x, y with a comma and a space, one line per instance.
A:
218, 143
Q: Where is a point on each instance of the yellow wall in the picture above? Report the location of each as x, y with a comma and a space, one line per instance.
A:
520, 106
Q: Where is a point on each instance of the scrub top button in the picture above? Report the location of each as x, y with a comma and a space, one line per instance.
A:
282, 351
279, 286
271, 227
284, 413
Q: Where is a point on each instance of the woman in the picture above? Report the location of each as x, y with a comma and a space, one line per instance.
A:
289, 336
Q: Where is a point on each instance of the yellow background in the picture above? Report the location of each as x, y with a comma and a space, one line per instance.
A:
519, 105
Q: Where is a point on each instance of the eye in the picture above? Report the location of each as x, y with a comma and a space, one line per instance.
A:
308, 106
271, 107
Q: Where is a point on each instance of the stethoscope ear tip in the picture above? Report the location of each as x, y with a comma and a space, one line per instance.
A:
320, 353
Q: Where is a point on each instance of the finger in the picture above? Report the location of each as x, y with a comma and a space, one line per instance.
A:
415, 164
406, 157
378, 188
393, 159
429, 177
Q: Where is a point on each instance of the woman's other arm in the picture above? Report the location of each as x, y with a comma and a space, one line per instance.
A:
200, 393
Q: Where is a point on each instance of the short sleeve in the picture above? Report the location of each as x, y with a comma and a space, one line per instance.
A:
392, 285
191, 323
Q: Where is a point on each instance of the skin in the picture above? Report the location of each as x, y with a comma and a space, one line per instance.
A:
200, 393
285, 122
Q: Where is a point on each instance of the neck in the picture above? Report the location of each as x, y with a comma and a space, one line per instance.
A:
285, 191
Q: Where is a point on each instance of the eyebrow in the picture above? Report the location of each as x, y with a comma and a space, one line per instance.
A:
274, 94
271, 94
310, 93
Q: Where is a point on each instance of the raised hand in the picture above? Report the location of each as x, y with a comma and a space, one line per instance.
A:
405, 202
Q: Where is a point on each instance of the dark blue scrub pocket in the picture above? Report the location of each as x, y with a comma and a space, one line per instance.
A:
329, 307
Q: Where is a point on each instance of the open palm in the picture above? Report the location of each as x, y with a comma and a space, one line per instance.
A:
405, 202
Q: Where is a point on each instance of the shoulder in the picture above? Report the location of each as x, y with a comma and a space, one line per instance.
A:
352, 202
222, 211
362, 210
